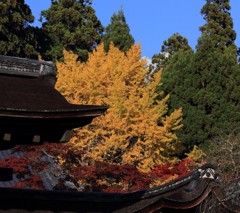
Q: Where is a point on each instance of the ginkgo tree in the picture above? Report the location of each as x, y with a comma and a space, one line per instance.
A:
137, 128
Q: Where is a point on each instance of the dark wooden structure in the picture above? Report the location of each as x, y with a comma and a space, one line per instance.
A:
31, 110
182, 195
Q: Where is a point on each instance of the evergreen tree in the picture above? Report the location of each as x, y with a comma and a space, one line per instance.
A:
71, 25
218, 27
178, 80
41, 42
16, 36
217, 73
171, 46
118, 33
206, 84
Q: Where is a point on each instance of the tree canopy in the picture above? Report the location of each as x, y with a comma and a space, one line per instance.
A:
218, 26
136, 129
71, 25
205, 83
16, 35
118, 32
217, 71
178, 80
172, 45
190, 98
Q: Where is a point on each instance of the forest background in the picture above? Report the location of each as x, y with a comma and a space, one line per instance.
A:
166, 117
152, 23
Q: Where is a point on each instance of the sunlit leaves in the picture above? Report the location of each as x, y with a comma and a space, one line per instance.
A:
135, 129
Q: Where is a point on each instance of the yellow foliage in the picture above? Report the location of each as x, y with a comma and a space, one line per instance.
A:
197, 155
135, 128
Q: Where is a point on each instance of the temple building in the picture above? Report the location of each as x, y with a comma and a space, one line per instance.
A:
33, 112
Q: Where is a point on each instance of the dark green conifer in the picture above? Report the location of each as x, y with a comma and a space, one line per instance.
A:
217, 73
71, 25
206, 84
16, 35
171, 46
178, 81
118, 32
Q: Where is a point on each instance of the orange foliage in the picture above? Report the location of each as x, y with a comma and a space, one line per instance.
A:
135, 129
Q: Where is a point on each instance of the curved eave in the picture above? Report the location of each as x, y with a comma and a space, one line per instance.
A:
86, 111
184, 193
26, 126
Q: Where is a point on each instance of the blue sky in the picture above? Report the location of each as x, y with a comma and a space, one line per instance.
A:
153, 21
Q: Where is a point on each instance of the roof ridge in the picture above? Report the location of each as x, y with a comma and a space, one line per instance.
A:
26, 67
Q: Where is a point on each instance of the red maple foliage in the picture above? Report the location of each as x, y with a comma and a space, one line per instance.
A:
96, 176
167, 170
34, 182
112, 177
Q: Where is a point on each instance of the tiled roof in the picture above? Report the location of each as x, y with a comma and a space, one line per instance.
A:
184, 193
26, 67
30, 107
50, 175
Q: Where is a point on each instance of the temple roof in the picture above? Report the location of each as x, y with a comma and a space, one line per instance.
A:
31, 109
21, 93
176, 196
26, 67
